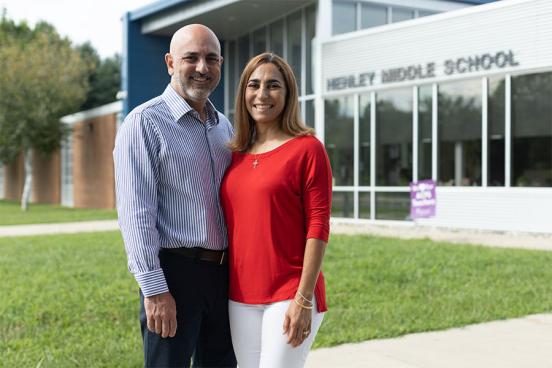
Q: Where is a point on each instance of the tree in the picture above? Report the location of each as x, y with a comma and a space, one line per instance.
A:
42, 78
104, 78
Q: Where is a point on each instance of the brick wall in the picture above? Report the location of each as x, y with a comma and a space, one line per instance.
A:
93, 177
46, 178
14, 177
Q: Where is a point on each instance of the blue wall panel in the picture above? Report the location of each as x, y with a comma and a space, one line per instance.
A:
217, 97
144, 71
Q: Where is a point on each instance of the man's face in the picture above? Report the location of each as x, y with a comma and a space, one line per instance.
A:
194, 66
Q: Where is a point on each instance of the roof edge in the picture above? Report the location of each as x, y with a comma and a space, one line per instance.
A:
161, 5
475, 2
153, 8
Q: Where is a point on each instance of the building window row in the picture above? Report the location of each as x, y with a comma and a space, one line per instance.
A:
484, 132
67, 171
349, 16
291, 37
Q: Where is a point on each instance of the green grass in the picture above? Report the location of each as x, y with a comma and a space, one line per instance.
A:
68, 300
382, 287
11, 214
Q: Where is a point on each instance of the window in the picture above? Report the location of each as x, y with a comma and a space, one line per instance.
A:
364, 205
310, 19
342, 204
277, 38
344, 17
67, 171
372, 16
401, 14
394, 137
425, 13
364, 140
259, 41
294, 45
532, 130
309, 113
393, 206
232, 77
425, 105
339, 136
459, 129
495, 124
243, 53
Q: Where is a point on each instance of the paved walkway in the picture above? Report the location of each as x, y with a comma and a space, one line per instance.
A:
489, 238
59, 228
517, 343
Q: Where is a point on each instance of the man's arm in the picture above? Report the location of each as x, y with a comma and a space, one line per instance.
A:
136, 158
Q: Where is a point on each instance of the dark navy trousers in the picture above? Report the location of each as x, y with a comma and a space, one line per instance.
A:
200, 289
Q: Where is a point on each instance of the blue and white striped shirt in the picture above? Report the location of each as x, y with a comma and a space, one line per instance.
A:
168, 170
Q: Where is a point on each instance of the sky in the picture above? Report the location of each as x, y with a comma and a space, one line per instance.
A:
97, 21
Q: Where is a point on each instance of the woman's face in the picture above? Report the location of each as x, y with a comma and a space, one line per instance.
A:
265, 94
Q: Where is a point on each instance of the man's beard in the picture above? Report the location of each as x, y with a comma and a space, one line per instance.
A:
195, 92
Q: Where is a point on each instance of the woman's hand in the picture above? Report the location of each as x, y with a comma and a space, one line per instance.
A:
297, 324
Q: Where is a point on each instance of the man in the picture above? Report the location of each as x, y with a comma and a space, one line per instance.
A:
170, 156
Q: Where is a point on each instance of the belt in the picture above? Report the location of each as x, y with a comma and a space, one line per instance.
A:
202, 254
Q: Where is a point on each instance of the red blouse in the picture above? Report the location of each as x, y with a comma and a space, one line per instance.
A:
273, 202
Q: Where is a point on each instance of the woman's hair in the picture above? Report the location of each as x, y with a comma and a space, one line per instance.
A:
290, 122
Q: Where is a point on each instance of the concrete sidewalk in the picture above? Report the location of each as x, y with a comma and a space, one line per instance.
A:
516, 343
59, 228
489, 238
459, 236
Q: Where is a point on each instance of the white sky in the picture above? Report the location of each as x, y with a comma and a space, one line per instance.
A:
97, 21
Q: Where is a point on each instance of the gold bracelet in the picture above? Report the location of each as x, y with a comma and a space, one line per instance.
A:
303, 297
302, 305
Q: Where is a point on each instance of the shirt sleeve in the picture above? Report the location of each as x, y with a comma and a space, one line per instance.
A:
136, 158
317, 192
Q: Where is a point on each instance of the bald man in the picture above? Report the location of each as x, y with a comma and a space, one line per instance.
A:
170, 156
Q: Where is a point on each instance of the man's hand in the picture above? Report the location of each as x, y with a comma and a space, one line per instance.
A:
161, 314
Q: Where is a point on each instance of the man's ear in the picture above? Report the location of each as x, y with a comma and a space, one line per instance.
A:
221, 60
170, 63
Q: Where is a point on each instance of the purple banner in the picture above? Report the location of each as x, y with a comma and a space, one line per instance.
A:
422, 199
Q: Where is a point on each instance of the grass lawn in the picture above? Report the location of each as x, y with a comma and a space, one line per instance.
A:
68, 300
11, 214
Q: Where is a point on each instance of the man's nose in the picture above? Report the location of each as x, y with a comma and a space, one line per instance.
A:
201, 66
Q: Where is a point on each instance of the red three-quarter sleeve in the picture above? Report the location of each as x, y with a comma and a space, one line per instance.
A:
317, 193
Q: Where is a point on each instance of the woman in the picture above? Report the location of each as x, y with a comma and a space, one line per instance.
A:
276, 197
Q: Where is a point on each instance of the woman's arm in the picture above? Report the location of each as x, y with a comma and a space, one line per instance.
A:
317, 199
297, 320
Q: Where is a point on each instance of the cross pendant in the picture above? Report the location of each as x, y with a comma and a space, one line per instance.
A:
255, 163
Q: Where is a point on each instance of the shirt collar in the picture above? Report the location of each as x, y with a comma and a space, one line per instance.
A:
179, 107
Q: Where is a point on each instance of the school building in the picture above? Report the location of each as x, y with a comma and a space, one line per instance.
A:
459, 92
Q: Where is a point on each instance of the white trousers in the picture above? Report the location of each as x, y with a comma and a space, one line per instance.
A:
258, 339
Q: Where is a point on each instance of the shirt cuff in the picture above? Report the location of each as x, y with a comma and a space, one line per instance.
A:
319, 232
152, 283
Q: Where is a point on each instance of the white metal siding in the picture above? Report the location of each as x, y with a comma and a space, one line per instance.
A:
503, 209
523, 26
